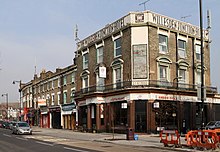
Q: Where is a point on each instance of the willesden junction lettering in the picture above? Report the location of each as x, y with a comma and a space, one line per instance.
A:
154, 18
175, 25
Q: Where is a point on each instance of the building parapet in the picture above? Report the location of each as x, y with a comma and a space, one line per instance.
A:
145, 17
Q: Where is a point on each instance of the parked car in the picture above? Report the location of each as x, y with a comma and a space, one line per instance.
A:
21, 128
213, 125
5, 124
1, 123
12, 124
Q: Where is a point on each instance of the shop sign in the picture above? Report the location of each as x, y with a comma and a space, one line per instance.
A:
43, 110
69, 107
54, 109
41, 102
82, 103
117, 98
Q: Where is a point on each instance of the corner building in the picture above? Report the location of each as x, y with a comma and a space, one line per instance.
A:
142, 72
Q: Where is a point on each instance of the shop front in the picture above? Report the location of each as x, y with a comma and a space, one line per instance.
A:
69, 116
55, 116
44, 117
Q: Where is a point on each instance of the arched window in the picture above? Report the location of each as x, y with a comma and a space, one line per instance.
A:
163, 66
85, 80
117, 67
183, 73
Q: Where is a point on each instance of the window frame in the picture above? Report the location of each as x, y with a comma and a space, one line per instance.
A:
65, 97
117, 49
163, 67
64, 80
52, 99
198, 52
115, 38
99, 54
161, 45
85, 57
182, 50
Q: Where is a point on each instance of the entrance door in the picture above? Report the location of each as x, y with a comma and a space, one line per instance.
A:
140, 122
140, 116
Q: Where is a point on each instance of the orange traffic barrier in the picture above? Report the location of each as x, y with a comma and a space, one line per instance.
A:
170, 137
202, 139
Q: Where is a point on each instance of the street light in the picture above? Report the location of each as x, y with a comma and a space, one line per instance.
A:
176, 98
19, 97
6, 94
202, 63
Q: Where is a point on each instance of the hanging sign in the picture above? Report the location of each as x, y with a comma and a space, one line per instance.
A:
102, 72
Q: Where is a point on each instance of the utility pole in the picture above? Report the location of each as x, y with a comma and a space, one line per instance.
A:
202, 64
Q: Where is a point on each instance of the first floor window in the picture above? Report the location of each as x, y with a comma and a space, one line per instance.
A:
52, 99
182, 75
198, 77
58, 98
100, 82
64, 97
163, 73
85, 84
72, 95
117, 67
118, 77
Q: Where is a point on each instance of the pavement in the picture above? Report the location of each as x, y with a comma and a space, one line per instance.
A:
144, 140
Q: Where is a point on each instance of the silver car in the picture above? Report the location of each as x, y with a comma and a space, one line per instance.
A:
213, 125
22, 128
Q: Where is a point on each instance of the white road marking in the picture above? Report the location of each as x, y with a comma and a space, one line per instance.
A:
43, 143
7, 135
73, 149
21, 138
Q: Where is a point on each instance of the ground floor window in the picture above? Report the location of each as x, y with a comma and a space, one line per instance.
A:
166, 115
120, 113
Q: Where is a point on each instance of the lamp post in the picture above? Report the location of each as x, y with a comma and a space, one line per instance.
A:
202, 63
19, 97
6, 94
175, 98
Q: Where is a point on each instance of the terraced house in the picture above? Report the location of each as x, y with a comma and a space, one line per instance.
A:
142, 72
48, 99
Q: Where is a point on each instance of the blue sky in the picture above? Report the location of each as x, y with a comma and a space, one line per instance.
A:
40, 32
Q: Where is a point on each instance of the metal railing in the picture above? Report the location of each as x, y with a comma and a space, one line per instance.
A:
142, 84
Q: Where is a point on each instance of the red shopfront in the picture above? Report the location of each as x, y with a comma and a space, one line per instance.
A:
44, 117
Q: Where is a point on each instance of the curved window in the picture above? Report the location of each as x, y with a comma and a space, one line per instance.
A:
163, 68
85, 81
117, 67
183, 72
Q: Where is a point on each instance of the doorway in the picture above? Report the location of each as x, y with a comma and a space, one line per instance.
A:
140, 116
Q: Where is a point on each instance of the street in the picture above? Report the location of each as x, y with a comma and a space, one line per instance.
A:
19, 143
44, 140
